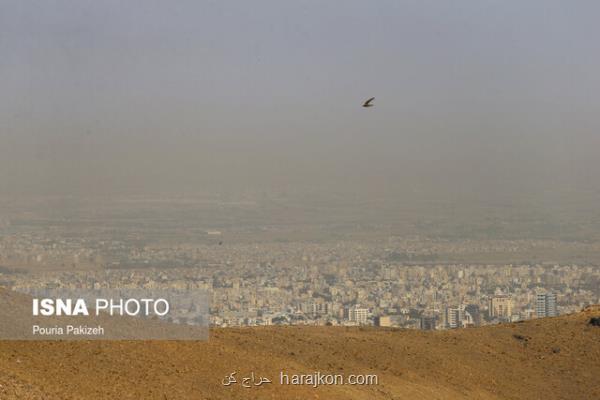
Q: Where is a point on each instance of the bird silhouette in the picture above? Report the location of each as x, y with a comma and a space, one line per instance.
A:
368, 102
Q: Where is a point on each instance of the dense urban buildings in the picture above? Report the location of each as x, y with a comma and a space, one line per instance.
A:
302, 272
342, 284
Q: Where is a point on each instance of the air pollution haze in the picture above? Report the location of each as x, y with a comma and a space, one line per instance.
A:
475, 100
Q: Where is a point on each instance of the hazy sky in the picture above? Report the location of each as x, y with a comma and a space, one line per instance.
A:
184, 96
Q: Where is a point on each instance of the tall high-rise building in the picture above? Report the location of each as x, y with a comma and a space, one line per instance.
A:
455, 316
545, 305
358, 314
501, 306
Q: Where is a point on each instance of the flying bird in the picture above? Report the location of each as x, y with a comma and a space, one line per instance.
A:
368, 102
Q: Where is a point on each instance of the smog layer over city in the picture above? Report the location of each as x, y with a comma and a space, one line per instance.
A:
227, 147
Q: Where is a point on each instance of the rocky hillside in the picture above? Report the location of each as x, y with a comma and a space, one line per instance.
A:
554, 358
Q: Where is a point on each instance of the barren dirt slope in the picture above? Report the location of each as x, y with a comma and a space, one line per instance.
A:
555, 358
